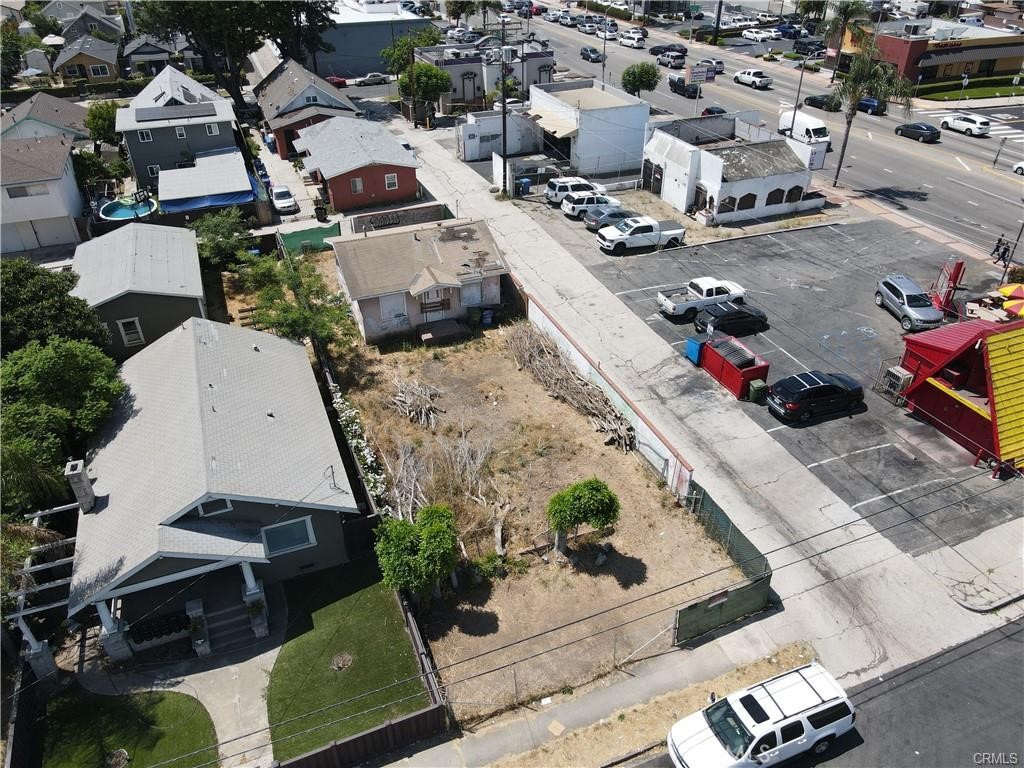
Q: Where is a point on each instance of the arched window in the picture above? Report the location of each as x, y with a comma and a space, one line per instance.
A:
775, 197
748, 201
794, 194
728, 205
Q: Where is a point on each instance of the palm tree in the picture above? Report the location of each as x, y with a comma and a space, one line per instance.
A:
846, 15
868, 77
810, 9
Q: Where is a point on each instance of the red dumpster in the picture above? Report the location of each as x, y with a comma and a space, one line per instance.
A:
733, 365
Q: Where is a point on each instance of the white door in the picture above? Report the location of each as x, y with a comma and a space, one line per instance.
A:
10, 239
433, 296
392, 311
54, 231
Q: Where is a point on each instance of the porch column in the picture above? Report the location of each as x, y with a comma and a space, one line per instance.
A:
39, 657
109, 625
26, 632
250, 579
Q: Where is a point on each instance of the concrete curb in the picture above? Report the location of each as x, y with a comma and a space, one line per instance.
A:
995, 605
632, 753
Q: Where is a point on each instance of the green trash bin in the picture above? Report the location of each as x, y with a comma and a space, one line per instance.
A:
757, 391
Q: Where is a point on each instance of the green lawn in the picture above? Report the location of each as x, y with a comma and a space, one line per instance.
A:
977, 88
340, 610
82, 728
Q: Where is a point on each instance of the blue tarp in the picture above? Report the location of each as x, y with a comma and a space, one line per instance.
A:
212, 201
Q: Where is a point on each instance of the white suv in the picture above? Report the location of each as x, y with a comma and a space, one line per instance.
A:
969, 125
798, 711
580, 203
558, 188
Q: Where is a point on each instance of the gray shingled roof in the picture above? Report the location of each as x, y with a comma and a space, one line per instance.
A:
287, 81
178, 43
38, 159
138, 258
173, 85
341, 144
50, 110
90, 46
212, 411
757, 161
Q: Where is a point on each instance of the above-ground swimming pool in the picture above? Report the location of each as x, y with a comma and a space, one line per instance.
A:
119, 210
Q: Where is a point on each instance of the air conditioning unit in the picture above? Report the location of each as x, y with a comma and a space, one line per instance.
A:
508, 53
452, 53
895, 380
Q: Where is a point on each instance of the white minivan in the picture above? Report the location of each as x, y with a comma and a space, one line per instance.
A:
803, 710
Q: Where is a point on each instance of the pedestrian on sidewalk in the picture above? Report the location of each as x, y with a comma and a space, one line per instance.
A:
1004, 255
997, 249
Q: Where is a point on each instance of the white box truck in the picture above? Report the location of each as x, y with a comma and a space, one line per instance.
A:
805, 128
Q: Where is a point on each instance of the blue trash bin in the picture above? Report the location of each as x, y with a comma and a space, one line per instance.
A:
694, 349
522, 187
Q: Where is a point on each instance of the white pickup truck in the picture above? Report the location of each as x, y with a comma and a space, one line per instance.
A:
640, 232
687, 300
755, 78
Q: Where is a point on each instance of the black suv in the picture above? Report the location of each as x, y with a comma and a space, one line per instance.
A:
680, 86
827, 101
808, 46
800, 397
731, 318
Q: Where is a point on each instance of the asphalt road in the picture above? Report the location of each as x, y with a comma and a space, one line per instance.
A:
951, 184
963, 707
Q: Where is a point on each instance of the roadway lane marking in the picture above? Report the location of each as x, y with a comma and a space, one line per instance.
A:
971, 202
927, 185
851, 453
763, 336
887, 170
872, 138
979, 189
649, 288
965, 165
901, 490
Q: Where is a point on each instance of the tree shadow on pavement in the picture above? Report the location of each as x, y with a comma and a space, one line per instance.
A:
896, 195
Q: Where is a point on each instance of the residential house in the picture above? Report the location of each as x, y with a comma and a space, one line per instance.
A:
88, 58
143, 280
84, 17
37, 62
965, 380
475, 69
45, 115
293, 98
40, 199
149, 55
220, 462
728, 168
400, 278
360, 31
172, 121
359, 163
595, 127
13, 10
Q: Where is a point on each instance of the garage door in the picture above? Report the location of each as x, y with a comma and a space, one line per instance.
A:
54, 231
10, 239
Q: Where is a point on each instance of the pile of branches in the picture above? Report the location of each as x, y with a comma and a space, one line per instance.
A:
538, 353
415, 401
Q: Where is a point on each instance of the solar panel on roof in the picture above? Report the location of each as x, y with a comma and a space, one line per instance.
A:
148, 114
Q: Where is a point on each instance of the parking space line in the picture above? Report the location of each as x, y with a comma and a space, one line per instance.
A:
851, 453
781, 426
901, 490
965, 165
648, 288
765, 337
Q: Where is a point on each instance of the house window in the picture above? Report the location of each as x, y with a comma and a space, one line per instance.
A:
99, 70
390, 181
212, 129
356, 186
776, 196
131, 332
153, 171
794, 194
728, 205
214, 507
748, 201
93, 26
32, 190
179, 131
311, 99
74, 70
948, 70
288, 537
145, 137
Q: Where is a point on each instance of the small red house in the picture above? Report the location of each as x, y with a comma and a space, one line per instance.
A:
359, 163
968, 382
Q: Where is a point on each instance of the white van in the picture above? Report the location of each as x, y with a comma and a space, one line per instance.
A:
798, 711
805, 128
972, 21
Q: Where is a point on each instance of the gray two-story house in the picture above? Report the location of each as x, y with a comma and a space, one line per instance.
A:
172, 120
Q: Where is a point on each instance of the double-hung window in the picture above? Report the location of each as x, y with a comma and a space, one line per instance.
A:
99, 70
179, 131
145, 137
390, 181
212, 129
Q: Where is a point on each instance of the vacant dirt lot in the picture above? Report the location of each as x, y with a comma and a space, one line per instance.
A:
533, 446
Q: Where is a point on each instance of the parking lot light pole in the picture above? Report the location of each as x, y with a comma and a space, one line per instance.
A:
604, 49
504, 114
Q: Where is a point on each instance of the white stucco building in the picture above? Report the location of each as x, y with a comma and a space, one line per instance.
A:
729, 168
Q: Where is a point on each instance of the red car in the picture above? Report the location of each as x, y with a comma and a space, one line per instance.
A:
337, 82
537, 10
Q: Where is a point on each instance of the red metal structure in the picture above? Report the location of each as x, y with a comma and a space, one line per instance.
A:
733, 365
943, 290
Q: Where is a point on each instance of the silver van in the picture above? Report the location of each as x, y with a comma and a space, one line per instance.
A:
909, 302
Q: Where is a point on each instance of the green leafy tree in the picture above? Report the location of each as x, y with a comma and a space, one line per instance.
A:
222, 235
398, 56
456, 9
868, 77
846, 15
415, 556
89, 167
37, 305
811, 9
10, 52
640, 77
45, 25
430, 84
100, 120
588, 501
297, 26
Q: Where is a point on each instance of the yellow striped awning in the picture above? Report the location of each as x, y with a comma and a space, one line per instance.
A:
1005, 357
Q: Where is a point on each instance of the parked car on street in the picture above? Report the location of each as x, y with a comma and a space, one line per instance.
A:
826, 101
923, 132
551, 16
685, 301
791, 32
631, 41
373, 78
657, 50
605, 216
809, 47
731, 318
337, 82
757, 35
558, 188
969, 125
567, 20
872, 106
672, 60
283, 201
755, 78
587, 29
575, 205
909, 302
810, 394
590, 53
607, 33
640, 232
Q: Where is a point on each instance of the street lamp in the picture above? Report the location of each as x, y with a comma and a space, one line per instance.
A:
604, 48
504, 113
1009, 261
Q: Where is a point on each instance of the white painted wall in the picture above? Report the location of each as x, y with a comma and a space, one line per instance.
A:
611, 139
53, 212
322, 97
480, 135
30, 129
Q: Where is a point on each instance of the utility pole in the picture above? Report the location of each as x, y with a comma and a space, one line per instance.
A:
604, 48
412, 86
1009, 261
504, 114
718, 21
799, 85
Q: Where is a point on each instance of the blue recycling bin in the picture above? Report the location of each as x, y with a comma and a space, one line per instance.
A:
693, 349
522, 187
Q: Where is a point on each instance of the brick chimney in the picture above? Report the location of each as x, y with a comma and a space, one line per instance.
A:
80, 484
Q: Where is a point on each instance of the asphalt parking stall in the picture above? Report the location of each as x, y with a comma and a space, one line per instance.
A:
817, 287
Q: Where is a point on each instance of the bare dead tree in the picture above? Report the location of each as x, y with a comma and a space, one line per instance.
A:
415, 401
539, 354
409, 474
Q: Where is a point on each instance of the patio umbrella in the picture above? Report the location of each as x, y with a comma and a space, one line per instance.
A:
1012, 290
1014, 307
53, 40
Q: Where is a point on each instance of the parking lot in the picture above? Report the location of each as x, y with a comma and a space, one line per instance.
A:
817, 287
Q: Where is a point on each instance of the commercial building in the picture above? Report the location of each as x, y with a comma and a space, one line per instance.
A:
360, 32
